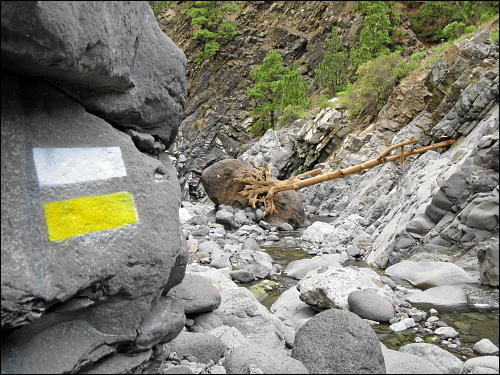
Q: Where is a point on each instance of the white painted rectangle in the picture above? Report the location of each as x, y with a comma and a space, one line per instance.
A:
61, 166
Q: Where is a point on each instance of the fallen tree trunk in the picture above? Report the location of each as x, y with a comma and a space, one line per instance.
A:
260, 186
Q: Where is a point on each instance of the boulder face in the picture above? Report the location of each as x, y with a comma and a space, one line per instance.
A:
106, 55
90, 226
219, 184
338, 342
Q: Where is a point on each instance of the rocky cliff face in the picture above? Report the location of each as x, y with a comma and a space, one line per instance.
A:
215, 122
439, 205
90, 231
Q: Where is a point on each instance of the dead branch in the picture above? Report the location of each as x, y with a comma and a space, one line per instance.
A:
260, 186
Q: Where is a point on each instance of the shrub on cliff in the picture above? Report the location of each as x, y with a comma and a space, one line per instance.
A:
376, 79
333, 71
210, 17
275, 88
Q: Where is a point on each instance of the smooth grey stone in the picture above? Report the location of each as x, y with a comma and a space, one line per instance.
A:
197, 294
205, 322
163, 323
299, 268
250, 244
337, 341
367, 304
443, 298
485, 347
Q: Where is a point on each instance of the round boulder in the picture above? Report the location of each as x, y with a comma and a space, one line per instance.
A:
197, 294
338, 342
203, 346
367, 304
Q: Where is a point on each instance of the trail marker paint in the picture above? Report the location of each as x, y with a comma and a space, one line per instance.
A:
72, 217
61, 166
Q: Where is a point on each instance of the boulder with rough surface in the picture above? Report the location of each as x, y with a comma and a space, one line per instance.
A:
442, 359
329, 287
397, 362
338, 342
203, 346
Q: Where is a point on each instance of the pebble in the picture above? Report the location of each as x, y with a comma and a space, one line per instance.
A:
418, 339
402, 325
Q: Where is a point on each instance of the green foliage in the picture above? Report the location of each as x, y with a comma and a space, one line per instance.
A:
323, 102
275, 88
333, 71
376, 34
455, 29
210, 16
291, 113
159, 7
376, 79
431, 19
494, 37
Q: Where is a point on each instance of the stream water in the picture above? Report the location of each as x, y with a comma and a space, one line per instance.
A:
472, 325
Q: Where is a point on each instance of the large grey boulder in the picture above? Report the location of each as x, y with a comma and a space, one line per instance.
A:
443, 298
103, 265
121, 363
110, 56
197, 294
397, 362
329, 287
429, 274
367, 304
338, 342
442, 359
246, 358
487, 364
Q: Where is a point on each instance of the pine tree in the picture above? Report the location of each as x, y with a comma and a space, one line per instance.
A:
276, 87
333, 71
209, 16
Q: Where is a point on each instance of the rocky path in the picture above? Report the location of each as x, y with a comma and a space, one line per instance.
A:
324, 312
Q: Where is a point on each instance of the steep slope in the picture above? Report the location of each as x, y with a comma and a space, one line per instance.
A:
216, 118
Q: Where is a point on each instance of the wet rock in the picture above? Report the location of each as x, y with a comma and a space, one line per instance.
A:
444, 298
442, 359
165, 321
404, 363
299, 268
197, 294
429, 273
337, 341
268, 361
329, 287
485, 347
202, 346
367, 304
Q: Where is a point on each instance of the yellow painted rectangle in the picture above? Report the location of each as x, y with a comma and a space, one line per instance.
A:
88, 214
